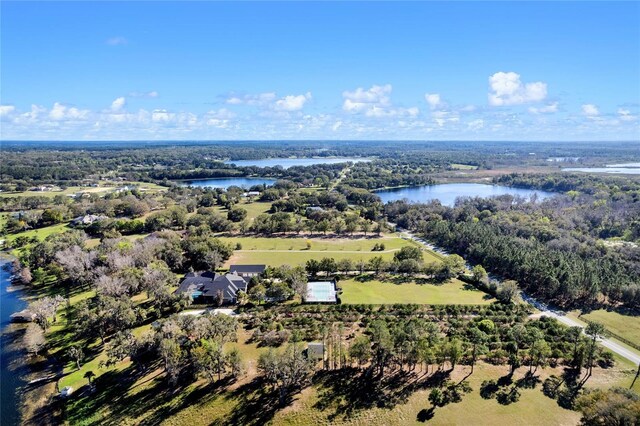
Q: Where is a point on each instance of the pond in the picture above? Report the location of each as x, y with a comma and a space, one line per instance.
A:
243, 182
448, 192
290, 162
10, 356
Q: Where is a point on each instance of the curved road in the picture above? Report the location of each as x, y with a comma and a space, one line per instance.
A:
545, 310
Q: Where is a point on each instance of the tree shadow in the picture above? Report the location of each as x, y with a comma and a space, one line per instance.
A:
425, 415
349, 391
256, 405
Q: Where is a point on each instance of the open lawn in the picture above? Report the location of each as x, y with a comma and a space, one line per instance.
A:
254, 209
626, 326
292, 250
295, 258
377, 292
40, 233
104, 187
463, 167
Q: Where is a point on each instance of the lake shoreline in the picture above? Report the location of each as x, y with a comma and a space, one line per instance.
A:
447, 193
31, 402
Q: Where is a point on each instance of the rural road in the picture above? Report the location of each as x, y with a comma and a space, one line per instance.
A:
545, 310
561, 317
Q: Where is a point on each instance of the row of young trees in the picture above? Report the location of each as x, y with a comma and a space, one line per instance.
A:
408, 261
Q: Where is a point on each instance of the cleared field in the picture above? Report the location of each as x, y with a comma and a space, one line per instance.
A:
294, 258
377, 292
317, 244
144, 186
626, 326
463, 167
293, 250
253, 209
40, 233
533, 408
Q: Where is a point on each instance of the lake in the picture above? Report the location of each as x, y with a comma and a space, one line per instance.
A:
627, 169
290, 162
10, 356
448, 192
243, 182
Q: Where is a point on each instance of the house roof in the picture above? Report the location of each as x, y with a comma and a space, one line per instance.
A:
316, 347
247, 269
208, 284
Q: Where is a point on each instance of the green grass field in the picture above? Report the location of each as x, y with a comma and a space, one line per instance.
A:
626, 326
146, 186
40, 233
463, 167
293, 250
377, 292
253, 209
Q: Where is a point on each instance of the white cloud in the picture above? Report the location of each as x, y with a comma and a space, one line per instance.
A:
590, 110
507, 89
118, 104
626, 115
260, 99
361, 99
443, 117
60, 112
433, 99
159, 115
336, 126
374, 102
151, 94
476, 124
468, 108
222, 113
116, 41
292, 102
547, 109
5, 110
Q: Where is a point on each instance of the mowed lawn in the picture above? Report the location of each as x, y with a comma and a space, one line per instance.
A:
293, 250
627, 326
254, 209
40, 233
377, 292
144, 186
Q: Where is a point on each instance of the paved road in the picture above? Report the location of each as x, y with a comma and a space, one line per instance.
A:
562, 317
547, 311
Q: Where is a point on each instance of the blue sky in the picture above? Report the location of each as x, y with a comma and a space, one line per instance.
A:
293, 70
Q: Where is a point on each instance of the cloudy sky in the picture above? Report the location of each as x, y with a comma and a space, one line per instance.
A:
209, 70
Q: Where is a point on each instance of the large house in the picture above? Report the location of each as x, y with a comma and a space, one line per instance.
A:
205, 287
247, 271
87, 219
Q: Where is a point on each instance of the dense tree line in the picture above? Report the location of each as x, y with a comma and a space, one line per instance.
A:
538, 244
